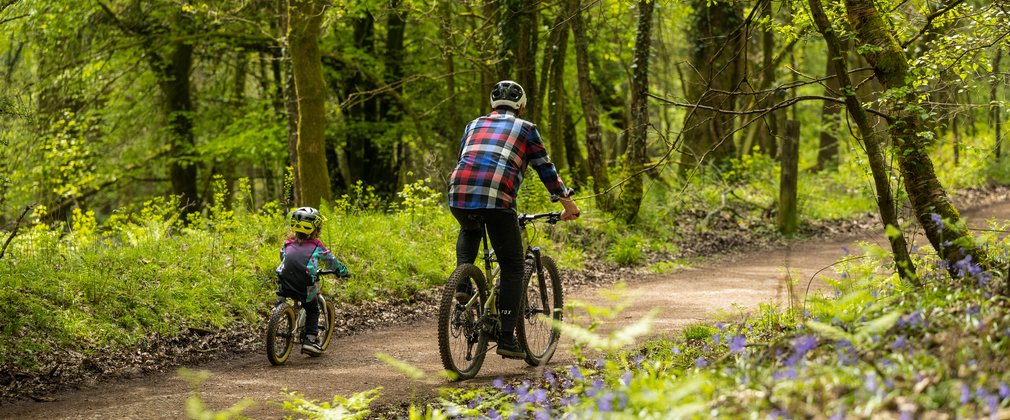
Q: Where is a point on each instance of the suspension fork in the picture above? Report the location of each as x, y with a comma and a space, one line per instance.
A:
534, 254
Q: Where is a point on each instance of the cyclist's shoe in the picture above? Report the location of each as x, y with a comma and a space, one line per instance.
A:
311, 347
509, 348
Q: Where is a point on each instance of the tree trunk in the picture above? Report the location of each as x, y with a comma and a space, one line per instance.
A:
594, 139
716, 57
518, 29
305, 20
994, 115
881, 175
941, 222
557, 99
631, 195
831, 115
173, 74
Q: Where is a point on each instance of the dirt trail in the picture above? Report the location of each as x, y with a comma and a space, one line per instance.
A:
684, 297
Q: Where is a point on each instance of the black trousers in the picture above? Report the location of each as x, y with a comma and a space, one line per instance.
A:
311, 317
506, 240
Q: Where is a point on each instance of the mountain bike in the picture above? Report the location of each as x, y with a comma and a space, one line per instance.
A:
466, 326
287, 324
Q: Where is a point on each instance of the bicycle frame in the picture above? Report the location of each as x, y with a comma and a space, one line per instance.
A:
493, 271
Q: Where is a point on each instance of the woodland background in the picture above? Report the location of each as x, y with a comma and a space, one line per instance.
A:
164, 141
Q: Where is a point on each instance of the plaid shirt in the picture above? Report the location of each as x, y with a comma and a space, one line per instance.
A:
494, 152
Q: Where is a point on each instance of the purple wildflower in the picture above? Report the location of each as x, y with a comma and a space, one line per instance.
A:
539, 396
899, 343
569, 400
600, 363
937, 220
626, 378
596, 388
870, 382
965, 393
700, 362
1004, 390
606, 403
498, 383
542, 414
716, 339
638, 360
575, 373
551, 380
804, 344
737, 343
675, 350
788, 373
493, 414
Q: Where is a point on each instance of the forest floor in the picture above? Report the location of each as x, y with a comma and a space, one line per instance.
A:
735, 277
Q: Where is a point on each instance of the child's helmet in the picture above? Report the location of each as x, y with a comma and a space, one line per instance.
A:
508, 93
306, 220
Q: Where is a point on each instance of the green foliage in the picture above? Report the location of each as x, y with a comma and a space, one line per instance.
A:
354, 407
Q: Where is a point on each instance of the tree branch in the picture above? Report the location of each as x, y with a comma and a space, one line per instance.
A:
14, 232
929, 22
784, 104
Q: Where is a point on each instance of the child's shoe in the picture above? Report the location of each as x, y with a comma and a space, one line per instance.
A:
311, 347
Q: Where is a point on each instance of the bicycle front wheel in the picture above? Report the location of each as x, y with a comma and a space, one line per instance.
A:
280, 333
542, 303
326, 318
462, 341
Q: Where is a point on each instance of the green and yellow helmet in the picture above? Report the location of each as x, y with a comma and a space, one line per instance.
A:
306, 220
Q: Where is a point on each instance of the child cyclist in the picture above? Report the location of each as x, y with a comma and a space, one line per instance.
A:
298, 274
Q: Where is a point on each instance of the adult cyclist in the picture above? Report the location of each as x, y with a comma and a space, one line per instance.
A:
493, 155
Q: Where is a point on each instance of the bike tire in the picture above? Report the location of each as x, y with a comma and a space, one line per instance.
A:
280, 333
326, 319
462, 340
537, 333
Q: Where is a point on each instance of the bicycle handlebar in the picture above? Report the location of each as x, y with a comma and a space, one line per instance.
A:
552, 217
333, 272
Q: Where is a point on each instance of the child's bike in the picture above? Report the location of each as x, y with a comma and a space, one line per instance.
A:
287, 324
466, 323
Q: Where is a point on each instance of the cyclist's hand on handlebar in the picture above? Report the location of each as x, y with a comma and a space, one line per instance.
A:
571, 211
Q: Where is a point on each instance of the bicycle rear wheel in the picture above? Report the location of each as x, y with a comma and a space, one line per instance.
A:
326, 318
542, 302
280, 333
462, 342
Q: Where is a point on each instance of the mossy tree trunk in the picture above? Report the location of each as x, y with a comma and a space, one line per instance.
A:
838, 65
636, 157
597, 161
305, 19
911, 136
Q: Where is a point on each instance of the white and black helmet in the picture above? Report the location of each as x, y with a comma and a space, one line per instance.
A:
508, 93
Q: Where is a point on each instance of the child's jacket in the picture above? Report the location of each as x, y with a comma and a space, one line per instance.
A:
297, 276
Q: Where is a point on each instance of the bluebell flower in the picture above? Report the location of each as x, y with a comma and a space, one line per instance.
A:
845, 250
906, 415
539, 396
737, 343
600, 363
498, 383
596, 388
622, 401
870, 382
637, 361
606, 403
993, 403
1004, 390
551, 380
575, 373
700, 362
716, 338
937, 221
542, 414
788, 373
493, 414
720, 326
899, 343
675, 350
626, 378
569, 400
804, 344
965, 393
